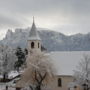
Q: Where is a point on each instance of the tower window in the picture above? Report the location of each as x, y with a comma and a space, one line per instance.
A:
32, 44
59, 82
38, 45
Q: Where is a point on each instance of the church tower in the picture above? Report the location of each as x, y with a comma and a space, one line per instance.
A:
34, 41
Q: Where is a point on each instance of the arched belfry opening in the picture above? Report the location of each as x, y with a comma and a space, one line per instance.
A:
32, 45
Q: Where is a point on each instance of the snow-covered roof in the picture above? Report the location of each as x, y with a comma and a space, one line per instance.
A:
13, 74
66, 62
33, 35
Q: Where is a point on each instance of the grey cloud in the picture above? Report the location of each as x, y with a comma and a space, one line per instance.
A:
15, 13
79, 6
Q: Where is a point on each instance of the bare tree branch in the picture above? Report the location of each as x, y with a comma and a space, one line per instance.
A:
39, 72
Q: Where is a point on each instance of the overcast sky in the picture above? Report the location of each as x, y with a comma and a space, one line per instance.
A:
65, 16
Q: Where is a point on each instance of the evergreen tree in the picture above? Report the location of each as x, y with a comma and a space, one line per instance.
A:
21, 57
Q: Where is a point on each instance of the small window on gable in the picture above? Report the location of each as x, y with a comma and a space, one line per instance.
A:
59, 82
32, 44
38, 45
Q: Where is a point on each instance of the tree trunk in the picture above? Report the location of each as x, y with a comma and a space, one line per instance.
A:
31, 87
18, 88
38, 87
6, 87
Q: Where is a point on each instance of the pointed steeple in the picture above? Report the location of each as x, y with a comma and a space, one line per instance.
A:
33, 19
33, 35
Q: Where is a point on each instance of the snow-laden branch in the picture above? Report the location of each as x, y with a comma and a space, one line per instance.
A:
39, 70
82, 73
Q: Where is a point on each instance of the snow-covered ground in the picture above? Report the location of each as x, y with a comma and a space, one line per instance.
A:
3, 87
10, 84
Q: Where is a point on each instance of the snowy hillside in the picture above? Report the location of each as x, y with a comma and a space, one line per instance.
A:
53, 41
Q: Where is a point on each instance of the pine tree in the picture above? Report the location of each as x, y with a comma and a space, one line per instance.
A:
21, 57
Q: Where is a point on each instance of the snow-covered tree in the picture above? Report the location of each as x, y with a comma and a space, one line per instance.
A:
39, 71
82, 74
7, 58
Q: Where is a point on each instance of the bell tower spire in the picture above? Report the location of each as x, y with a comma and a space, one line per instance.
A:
34, 41
33, 19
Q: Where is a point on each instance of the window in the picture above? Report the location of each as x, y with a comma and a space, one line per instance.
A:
38, 45
59, 82
32, 44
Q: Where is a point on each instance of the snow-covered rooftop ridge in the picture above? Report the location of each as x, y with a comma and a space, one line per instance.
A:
66, 62
33, 35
